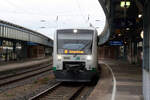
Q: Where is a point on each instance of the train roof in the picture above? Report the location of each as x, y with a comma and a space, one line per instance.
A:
80, 28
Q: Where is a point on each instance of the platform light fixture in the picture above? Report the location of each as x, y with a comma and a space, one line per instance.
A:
142, 34
122, 4
127, 29
119, 34
128, 3
125, 4
140, 15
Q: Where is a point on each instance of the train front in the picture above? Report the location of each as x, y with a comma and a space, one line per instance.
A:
75, 55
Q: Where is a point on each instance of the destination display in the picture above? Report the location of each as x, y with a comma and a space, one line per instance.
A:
73, 52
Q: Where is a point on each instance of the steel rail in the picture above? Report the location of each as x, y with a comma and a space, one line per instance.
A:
45, 91
25, 75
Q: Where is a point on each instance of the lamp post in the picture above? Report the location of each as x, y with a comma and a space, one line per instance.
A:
125, 4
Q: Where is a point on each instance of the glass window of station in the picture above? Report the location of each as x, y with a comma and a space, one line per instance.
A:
9, 51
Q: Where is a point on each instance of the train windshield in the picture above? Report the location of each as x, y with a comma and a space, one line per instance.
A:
75, 43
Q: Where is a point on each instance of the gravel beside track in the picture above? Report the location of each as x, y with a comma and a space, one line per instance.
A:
24, 75
24, 89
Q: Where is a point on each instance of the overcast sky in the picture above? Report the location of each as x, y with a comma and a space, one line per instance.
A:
71, 13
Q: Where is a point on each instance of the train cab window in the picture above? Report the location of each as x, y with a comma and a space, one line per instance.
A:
81, 42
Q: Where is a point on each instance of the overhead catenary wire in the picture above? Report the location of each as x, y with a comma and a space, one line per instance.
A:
81, 13
79, 7
25, 11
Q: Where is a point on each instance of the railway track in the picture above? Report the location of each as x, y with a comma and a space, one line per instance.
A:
59, 91
8, 79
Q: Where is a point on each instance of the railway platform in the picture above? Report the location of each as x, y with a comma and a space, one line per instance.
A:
128, 78
23, 64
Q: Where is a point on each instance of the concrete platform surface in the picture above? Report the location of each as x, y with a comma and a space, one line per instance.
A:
129, 79
22, 64
104, 87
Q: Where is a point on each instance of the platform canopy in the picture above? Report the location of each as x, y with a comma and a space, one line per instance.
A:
15, 32
124, 20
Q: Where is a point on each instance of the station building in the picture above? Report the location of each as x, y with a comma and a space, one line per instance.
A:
18, 43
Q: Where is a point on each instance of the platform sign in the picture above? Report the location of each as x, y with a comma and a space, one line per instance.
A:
31, 43
116, 43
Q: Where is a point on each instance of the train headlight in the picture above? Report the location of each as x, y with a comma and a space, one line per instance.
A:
59, 57
89, 57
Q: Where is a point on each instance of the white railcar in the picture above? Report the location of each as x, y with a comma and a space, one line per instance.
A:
75, 55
